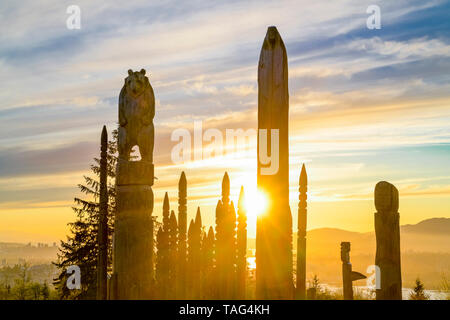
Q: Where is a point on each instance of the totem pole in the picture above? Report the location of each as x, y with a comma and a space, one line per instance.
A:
387, 231
348, 276
301, 235
173, 255
133, 236
274, 227
182, 230
226, 242
102, 259
208, 264
241, 240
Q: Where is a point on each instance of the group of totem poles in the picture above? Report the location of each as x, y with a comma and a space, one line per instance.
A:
190, 263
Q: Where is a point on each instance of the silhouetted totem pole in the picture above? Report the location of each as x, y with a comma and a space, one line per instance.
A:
241, 262
173, 255
194, 260
162, 264
102, 259
133, 235
387, 231
208, 264
182, 230
301, 235
274, 227
226, 243
348, 276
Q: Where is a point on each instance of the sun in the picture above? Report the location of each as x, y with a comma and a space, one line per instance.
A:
256, 203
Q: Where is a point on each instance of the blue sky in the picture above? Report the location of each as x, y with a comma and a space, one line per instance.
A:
365, 105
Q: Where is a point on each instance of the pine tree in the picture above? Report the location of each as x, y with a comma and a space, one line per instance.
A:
81, 246
418, 292
45, 291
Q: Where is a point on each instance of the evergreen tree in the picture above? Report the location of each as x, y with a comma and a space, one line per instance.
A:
418, 292
45, 291
81, 246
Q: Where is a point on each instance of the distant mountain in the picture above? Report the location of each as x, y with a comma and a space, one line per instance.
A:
429, 226
425, 248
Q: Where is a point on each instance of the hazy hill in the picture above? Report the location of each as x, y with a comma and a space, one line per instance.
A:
429, 226
425, 252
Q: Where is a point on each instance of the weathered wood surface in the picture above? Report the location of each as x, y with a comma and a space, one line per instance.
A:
182, 235
225, 249
102, 236
348, 275
274, 278
387, 231
133, 235
241, 263
301, 235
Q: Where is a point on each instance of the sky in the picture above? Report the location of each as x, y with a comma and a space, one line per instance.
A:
365, 104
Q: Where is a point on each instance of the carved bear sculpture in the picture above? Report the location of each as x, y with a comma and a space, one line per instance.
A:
136, 113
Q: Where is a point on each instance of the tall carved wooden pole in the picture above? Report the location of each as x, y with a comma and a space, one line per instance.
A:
173, 258
301, 235
102, 259
226, 242
241, 263
133, 242
348, 276
387, 231
208, 264
274, 227
182, 230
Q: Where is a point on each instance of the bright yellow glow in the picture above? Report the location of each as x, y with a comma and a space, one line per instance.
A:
255, 202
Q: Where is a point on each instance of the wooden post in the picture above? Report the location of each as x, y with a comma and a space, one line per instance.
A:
301, 235
387, 231
274, 278
226, 243
102, 236
173, 255
348, 276
241, 263
133, 225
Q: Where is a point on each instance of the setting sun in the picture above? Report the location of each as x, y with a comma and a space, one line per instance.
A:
255, 202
